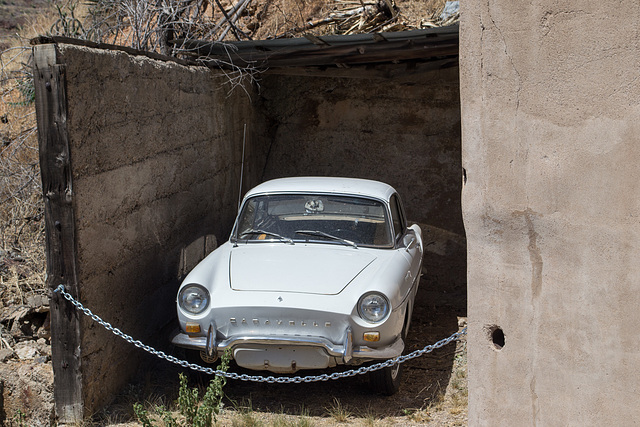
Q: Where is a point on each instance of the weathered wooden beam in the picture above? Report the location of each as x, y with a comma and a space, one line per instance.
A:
344, 54
315, 40
57, 188
404, 72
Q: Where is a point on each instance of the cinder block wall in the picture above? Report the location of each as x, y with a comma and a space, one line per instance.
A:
155, 151
550, 107
403, 131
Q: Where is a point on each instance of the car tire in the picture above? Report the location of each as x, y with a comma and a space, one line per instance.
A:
195, 357
386, 380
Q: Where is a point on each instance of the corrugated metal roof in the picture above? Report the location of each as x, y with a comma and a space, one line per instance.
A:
337, 40
358, 49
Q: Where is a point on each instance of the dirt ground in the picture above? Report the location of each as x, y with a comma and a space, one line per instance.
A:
434, 389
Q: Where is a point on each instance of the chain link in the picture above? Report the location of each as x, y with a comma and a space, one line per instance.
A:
256, 378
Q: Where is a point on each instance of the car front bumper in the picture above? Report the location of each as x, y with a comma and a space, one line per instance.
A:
287, 354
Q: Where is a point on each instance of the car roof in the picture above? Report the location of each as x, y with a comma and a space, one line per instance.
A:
319, 184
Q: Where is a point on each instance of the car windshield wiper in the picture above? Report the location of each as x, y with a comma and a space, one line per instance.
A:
271, 233
328, 236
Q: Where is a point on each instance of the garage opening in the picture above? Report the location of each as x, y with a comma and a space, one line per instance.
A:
141, 159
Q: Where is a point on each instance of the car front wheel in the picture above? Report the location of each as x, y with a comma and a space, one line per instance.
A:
386, 380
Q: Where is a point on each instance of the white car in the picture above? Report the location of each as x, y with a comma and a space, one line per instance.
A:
318, 272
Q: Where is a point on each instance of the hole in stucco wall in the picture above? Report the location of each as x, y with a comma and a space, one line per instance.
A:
464, 176
496, 336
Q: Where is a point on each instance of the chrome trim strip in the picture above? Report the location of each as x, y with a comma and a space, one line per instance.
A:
336, 350
191, 343
347, 348
211, 346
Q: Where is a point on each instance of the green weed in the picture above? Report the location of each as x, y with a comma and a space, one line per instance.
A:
192, 411
142, 415
338, 412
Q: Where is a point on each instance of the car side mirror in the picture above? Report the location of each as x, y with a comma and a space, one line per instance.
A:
409, 240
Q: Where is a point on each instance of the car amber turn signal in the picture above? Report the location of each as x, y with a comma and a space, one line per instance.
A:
192, 328
371, 336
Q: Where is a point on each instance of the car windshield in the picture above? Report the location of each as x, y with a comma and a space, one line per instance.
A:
290, 218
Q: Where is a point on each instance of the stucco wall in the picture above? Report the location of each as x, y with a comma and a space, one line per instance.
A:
550, 106
405, 132
155, 151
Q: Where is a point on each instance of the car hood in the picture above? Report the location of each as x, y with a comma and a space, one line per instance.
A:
302, 268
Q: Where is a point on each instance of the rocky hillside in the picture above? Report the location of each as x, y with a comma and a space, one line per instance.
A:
16, 14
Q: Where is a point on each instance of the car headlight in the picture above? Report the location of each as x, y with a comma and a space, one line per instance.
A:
193, 298
373, 307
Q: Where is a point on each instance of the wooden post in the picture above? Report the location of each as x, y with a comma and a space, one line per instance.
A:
55, 166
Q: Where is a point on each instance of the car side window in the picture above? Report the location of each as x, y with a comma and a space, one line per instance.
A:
403, 215
397, 217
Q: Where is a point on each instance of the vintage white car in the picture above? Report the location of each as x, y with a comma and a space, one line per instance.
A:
318, 272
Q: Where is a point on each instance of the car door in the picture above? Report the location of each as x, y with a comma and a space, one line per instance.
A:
408, 243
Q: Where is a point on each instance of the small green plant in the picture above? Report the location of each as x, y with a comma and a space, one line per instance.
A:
195, 413
19, 419
142, 415
166, 416
202, 415
338, 412
212, 400
408, 411
187, 400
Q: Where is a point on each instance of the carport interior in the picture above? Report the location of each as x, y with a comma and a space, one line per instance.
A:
141, 160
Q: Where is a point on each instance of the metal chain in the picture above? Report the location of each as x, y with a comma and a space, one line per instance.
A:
257, 378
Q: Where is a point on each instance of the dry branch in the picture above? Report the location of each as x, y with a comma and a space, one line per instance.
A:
231, 20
